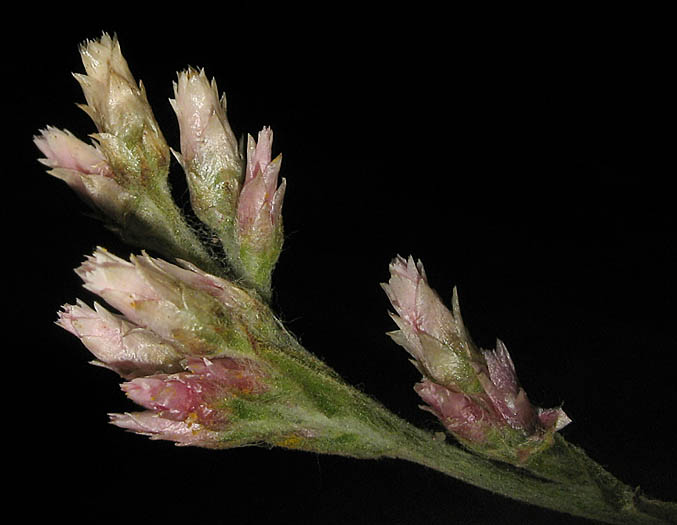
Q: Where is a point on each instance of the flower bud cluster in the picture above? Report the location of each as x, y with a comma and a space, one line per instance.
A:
238, 198
474, 393
123, 175
210, 363
203, 354
185, 341
128, 131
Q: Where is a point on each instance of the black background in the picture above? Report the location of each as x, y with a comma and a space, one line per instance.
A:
525, 158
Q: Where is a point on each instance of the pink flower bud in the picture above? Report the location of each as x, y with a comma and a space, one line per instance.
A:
64, 151
84, 168
260, 204
122, 346
508, 398
128, 134
434, 336
200, 314
198, 394
415, 302
115, 102
208, 144
157, 427
459, 413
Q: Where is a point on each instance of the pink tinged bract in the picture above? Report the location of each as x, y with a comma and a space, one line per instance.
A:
116, 280
509, 398
224, 291
405, 279
553, 418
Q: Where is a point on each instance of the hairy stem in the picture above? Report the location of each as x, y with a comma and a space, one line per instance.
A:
562, 478
586, 490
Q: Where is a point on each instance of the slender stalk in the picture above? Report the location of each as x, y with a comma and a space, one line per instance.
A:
157, 223
184, 243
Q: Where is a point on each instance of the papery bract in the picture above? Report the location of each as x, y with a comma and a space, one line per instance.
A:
157, 427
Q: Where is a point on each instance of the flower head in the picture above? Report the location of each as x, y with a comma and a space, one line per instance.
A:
210, 155
209, 363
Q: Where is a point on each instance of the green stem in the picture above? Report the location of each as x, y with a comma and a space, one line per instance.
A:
156, 223
564, 480
561, 478
589, 492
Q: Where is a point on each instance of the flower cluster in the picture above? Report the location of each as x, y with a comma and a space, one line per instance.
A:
123, 174
198, 345
475, 393
200, 350
180, 342
238, 198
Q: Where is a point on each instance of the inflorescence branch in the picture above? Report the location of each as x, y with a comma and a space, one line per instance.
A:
199, 348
